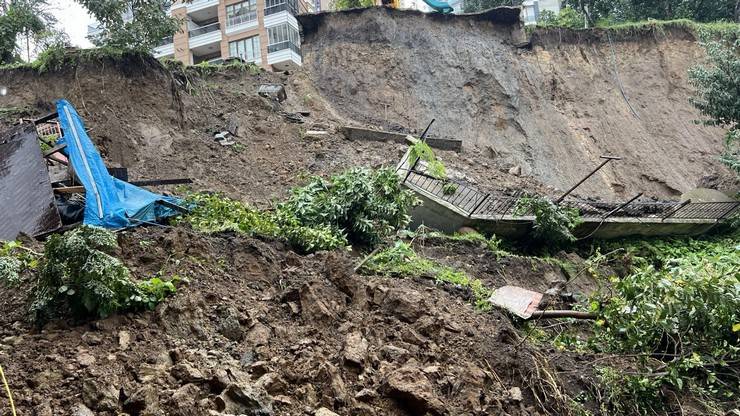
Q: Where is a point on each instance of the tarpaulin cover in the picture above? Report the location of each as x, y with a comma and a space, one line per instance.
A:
110, 203
26, 199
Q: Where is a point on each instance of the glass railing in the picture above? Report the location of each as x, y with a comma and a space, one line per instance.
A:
276, 8
276, 47
241, 19
165, 41
205, 29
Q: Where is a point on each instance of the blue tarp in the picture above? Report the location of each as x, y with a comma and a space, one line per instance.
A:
109, 202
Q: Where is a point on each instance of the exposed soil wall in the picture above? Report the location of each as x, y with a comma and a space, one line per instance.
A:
553, 109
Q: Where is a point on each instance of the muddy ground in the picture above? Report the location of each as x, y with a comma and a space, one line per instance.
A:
258, 329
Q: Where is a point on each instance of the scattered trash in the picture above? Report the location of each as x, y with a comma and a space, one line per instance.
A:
274, 91
293, 117
521, 302
224, 138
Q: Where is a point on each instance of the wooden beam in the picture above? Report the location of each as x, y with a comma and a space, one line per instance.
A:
55, 149
152, 182
46, 118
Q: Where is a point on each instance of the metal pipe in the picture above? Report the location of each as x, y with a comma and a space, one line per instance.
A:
562, 314
615, 210
424, 135
608, 159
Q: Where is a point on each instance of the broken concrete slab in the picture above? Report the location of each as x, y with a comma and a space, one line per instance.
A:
521, 302
359, 133
274, 91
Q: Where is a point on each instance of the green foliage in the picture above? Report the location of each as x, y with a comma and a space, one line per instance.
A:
634, 10
493, 244
359, 205
718, 88
22, 22
14, 261
401, 260
449, 188
366, 205
628, 394
567, 18
155, 290
79, 274
680, 307
421, 150
351, 4
553, 224
147, 25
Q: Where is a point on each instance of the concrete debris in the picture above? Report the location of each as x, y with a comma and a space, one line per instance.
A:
274, 91
521, 302
224, 138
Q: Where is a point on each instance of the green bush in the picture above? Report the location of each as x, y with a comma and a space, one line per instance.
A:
359, 206
79, 275
680, 307
421, 150
14, 261
366, 205
553, 224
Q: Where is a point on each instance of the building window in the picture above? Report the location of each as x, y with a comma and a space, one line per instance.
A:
240, 13
284, 33
247, 49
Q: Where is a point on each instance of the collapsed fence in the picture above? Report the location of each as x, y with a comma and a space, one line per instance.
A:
474, 203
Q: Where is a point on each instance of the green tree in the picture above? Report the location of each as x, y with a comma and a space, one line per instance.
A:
568, 17
351, 4
22, 24
718, 88
132, 24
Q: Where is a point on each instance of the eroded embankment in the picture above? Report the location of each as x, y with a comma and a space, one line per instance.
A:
552, 109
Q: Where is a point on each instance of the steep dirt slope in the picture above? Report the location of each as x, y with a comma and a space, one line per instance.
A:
553, 110
161, 125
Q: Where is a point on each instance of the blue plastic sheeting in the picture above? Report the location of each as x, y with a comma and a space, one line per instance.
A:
109, 202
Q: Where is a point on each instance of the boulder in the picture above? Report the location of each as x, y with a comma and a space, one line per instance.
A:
411, 388
355, 349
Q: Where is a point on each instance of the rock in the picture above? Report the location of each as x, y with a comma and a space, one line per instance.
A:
411, 388
516, 170
320, 303
124, 340
91, 339
366, 395
324, 412
99, 396
186, 373
246, 399
85, 360
229, 325
393, 353
272, 383
259, 334
407, 305
143, 401
355, 349
82, 410
515, 394
186, 396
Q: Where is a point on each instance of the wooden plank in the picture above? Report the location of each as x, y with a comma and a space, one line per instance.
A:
46, 118
55, 149
152, 182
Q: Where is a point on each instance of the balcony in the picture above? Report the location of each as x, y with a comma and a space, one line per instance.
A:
197, 5
242, 22
205, 35
275, 7
284, 56
164, 48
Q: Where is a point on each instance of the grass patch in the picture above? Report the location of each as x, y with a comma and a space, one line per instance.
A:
401, 260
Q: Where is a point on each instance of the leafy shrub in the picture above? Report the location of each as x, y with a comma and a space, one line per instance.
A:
449, 188
567, 18
359, 205
365, 205
680, 305
553, 224
79, 274
14, 260
421, 150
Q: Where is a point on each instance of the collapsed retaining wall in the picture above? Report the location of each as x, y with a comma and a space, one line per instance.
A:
551, 110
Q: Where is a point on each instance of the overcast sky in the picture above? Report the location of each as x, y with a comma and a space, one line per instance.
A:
73, 19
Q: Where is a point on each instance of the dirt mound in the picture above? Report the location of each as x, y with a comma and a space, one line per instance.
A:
551, 110
261, 330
